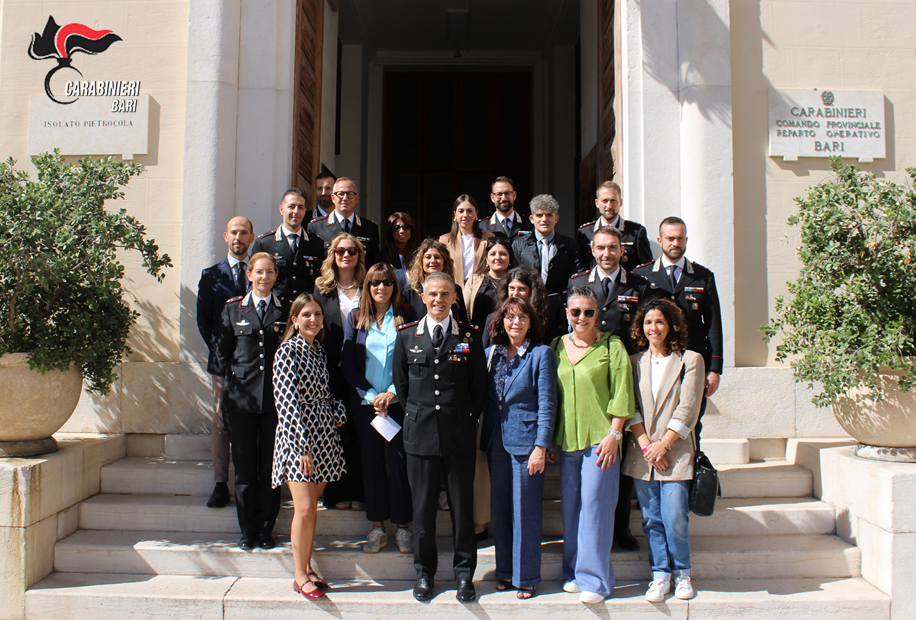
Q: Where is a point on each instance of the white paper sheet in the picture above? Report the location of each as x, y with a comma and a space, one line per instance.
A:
386, 427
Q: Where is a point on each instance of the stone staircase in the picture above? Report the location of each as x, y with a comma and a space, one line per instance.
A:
148, 548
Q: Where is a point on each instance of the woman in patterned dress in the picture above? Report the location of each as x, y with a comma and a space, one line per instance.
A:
307, 452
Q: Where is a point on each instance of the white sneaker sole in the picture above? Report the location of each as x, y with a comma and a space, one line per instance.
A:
590, 598
571, 587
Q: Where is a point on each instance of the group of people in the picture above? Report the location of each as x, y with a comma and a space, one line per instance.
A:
450, 372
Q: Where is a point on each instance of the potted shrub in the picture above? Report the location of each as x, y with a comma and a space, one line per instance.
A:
849, 320
63, 318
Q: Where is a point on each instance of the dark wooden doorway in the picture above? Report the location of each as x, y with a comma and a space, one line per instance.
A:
451, 133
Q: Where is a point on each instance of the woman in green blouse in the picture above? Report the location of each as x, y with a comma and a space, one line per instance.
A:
595, 387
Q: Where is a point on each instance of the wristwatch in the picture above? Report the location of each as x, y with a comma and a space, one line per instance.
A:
615, 434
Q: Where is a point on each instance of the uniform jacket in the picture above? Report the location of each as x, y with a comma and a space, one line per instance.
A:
679, 397
615, 313
635, 244
363, 229
527, 409
246, 350
442, 393
296, 273
565, 263
697, 296
520, 227
216, 286
456, 250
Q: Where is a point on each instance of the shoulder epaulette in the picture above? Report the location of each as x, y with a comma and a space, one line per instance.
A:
362, 217
235, 299
587, 224
701, 267
320, 219
579, 275
645, 265
466, 326
483, 219
406, 325
268, 234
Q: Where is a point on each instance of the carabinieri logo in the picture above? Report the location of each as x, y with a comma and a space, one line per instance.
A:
61, 42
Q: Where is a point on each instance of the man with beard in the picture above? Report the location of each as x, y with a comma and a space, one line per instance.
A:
505, 222
324, 190
218, 283
634, 239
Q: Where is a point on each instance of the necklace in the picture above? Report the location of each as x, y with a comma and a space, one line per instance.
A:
578, 346
347, 288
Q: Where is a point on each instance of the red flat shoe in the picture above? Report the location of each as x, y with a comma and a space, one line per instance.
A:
312, 595
320, 583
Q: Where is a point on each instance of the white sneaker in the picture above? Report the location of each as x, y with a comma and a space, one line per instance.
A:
404, 540
443, 501
376, 541
571, 587
658, 589
683, 588
590, 597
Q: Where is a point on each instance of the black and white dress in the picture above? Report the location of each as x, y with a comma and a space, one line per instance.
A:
308, 416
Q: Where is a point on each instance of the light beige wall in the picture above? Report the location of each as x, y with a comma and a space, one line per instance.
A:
838, 44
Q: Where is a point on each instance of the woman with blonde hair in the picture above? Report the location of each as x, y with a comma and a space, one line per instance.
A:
307, 451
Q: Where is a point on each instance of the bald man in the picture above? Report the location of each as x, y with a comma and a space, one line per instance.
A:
222, 281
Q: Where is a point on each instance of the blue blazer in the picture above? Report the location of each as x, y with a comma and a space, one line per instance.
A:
527, 411
215, 288
353, 357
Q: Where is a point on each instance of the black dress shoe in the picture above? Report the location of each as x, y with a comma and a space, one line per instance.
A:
220, 496
266, 541
423, 589
466, 592
626, 540
247, 541
481, 536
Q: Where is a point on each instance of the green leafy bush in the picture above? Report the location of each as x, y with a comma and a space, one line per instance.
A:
61, 298
852, 310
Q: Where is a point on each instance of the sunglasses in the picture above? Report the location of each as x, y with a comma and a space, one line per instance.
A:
401, 227
350, 251
385, 283
589, 313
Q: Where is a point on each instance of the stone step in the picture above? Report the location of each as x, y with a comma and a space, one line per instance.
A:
341, 557
70, 596
177, 513
137, 475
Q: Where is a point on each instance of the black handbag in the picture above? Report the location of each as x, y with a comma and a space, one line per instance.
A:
705, 487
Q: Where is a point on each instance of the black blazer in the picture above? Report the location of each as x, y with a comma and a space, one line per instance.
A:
413, 299
615, 313
697, 296
333, 341
442, 393
635, 244
246, 350
363, 229
565, 264
297, 272
216, 286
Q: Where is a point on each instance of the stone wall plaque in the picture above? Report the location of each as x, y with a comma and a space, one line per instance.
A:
90, 126
813, 122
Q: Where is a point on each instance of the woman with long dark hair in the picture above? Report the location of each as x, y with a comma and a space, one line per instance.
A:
480, 290
466, 242
399, 245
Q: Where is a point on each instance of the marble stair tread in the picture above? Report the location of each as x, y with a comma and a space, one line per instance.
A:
139, 475
214, 554
178, 513
65, 596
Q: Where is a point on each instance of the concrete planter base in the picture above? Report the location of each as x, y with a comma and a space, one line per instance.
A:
890, 423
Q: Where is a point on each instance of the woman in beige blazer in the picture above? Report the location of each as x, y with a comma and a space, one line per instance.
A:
466, 242
669, 383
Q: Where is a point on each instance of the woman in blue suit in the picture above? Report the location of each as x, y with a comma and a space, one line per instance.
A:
517, 432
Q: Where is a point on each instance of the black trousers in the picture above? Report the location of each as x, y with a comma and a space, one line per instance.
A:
251, 438
384, 499
350, 486
423, 473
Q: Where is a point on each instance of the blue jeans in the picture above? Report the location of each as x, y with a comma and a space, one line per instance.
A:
588, 497
665, 523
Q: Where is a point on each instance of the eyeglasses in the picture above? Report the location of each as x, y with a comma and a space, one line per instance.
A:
345, 194
385, 283
401, 227
576, 312
521, 318
501, 194
350, 251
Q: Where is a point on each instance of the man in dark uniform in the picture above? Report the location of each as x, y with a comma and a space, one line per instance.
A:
298, 254
635, 240
505, 222
440, 373
619, 294
218, 283
344, 219
693, 287
251, 328
324, 191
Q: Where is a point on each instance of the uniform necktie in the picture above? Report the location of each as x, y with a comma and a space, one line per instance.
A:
545, 259
241, 282
347, 226
295, 243
262, 309
609, 286
671, 278
437, 336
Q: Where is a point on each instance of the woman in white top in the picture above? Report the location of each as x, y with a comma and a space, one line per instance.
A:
466, 242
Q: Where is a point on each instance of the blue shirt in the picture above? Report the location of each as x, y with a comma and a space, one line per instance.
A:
380, 357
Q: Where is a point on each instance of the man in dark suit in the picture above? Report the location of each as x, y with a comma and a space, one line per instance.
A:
619, 294
324, 191
440, 373
344, 219
505, 222
217, 284
635, 240
693, 287
298, 254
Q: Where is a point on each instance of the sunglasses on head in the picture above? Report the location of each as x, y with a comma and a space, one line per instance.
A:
385, 283
589, 312
350, 251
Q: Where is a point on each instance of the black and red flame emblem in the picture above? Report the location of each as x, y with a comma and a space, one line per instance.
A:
61, 42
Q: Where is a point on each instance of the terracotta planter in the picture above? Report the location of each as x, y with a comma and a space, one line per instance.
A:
890, 423
34, 405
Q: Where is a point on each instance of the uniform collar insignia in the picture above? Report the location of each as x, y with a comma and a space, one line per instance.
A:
623, 275
657, 265
454, 327
593, 275
421, 327
689, 266
246, 300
